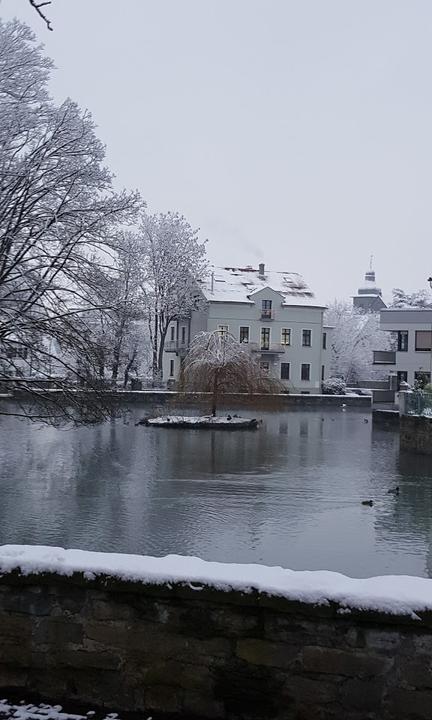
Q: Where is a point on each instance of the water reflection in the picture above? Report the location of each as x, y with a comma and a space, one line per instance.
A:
287, 494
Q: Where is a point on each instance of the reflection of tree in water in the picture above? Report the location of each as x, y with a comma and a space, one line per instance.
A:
407, 518
225, 494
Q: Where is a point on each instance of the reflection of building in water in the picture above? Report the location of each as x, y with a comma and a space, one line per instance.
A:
405, 521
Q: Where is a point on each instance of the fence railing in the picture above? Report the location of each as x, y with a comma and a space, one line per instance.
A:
416, 402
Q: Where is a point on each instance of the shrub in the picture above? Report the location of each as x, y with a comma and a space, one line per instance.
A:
334, 386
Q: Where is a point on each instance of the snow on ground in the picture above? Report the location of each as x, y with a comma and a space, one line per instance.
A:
24, 711
393, 594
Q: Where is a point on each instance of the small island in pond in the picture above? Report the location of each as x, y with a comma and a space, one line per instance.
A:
205, 422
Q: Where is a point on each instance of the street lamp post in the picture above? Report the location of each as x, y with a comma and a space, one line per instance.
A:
430, 364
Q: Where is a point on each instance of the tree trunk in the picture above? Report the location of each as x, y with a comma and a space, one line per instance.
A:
127, 369
215, 393
155, 364
160, 353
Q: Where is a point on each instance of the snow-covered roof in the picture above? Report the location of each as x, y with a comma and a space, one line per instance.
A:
393, 594
231, 284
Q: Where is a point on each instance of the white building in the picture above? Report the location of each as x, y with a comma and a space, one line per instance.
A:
274, 312
412, 337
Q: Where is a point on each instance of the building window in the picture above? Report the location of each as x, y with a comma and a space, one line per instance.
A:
244, 334
172, 333
285, 336
266, 309
285, 371
265, 338
305, 372
223, 329
183, 336
324, 341
402, 341
423, 340
265, 367
171, 368
307, 338
322, 372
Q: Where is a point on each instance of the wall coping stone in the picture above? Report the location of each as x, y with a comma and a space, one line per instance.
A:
386, 599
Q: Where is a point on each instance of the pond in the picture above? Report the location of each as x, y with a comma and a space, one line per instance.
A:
287, 494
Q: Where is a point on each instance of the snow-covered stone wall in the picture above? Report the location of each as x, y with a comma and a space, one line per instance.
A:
183, 637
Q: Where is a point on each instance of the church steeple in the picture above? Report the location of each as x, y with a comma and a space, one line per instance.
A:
369, 294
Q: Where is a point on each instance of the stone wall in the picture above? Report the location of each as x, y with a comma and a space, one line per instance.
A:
193, 652
416, 434
259, 401
201, 400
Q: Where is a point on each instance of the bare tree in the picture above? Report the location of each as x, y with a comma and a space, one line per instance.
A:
172, 261
218, 363
59, 217
118, 328
354, 337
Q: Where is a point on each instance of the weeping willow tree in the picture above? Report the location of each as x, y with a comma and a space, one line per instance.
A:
218, 363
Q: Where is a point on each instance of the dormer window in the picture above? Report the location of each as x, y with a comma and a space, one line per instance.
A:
266, 309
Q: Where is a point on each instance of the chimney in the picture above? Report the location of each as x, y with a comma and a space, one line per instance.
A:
261, 270
212, 282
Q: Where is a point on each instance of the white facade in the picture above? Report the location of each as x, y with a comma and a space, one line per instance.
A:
412, 336
274, 313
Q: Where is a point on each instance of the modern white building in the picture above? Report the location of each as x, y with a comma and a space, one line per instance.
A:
411, 329
274, 312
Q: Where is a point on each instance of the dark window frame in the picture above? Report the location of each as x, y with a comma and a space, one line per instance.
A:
308, 373
265, 344
285, 370
402, 341
306, 333
423, 349
242, 328
286, 334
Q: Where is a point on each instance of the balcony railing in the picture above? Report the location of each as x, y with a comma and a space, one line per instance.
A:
268, 348
267, 314
384, 357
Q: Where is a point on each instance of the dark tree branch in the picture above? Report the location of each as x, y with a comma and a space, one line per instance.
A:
37, 6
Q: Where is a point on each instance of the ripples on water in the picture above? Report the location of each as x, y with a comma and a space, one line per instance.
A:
289, 494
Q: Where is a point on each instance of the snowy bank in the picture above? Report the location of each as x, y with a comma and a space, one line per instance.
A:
393, 594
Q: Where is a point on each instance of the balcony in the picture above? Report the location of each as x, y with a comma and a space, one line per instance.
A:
268, 348
384, 357
267, 315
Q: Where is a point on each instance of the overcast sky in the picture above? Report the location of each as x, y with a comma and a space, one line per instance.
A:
295, 133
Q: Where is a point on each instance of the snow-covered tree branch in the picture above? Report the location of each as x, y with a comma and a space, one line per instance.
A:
218, 363
355, 336
59, 214
172, 261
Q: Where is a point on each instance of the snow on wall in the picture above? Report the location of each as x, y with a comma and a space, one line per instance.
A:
393, 594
